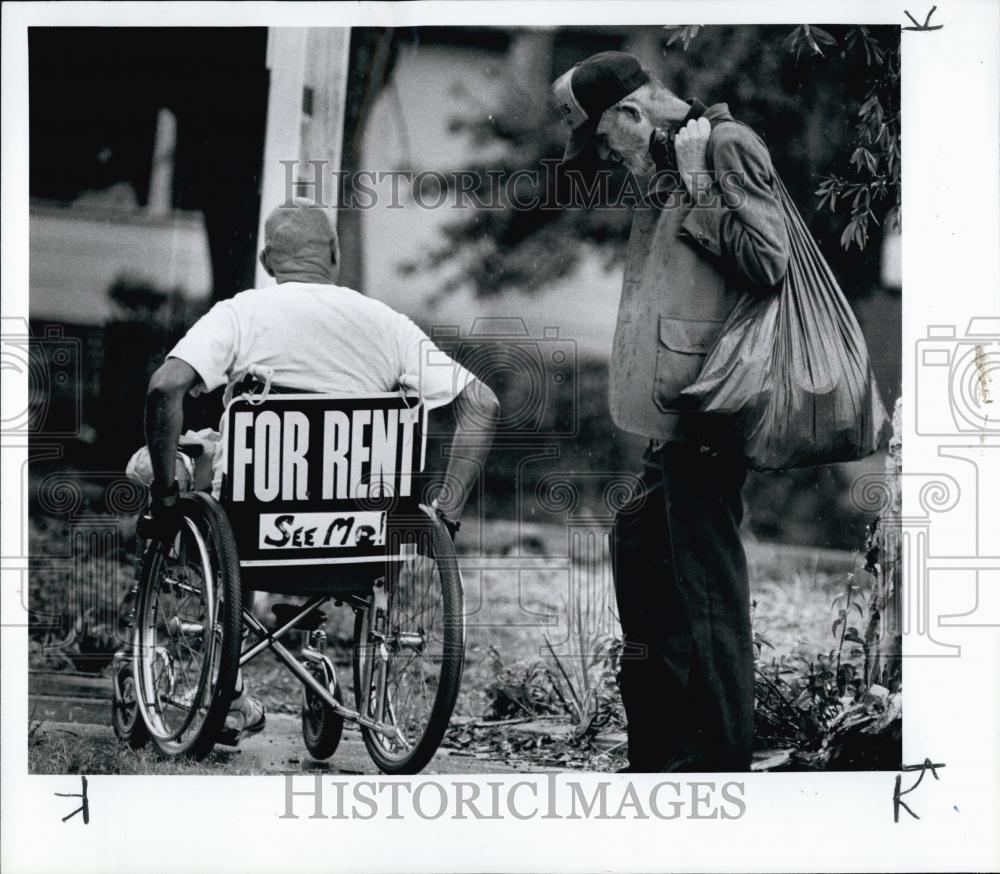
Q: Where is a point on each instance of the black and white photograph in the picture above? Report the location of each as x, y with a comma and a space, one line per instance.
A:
434, 415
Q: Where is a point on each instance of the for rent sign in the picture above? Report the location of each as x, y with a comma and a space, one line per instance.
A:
312, 478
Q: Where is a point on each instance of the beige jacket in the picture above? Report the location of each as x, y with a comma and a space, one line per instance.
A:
686, 265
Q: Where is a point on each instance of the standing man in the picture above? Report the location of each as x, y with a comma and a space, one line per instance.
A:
316, 336
709, 228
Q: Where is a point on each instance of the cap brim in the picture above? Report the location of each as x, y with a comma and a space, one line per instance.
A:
579, 140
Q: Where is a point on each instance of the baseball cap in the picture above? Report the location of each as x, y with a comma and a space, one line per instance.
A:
585, 91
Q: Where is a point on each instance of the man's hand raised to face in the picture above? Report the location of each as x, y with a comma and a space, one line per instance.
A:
691, 148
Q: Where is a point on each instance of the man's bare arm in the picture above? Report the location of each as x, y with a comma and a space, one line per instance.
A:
165, 416
476, 413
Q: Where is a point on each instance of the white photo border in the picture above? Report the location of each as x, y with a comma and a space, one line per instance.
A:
792, 822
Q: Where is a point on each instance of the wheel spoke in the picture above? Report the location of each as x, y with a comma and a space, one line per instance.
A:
407, 746
179, 659
416, 650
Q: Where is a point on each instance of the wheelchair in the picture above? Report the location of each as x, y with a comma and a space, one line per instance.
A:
315, 505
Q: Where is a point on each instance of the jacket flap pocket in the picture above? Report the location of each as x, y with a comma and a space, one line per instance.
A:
693, 336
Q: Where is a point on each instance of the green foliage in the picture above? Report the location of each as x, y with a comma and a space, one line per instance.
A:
873, 180
821, 708
589, 677
522, 689
581, 685
851, 599
807, 36
683, 33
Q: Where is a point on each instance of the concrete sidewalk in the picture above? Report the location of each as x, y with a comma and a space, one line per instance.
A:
82, 706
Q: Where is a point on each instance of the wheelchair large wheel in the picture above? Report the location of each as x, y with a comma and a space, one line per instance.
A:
187, 630
409, 650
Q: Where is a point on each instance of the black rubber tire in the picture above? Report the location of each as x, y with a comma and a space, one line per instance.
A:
452, 663
213, 524
322, 729
125, 719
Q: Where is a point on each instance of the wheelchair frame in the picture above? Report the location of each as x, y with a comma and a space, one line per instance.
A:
140, 721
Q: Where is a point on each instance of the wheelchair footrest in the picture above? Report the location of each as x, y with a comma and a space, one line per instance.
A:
285, 613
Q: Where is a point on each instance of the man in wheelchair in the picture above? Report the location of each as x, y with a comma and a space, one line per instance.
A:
310, 335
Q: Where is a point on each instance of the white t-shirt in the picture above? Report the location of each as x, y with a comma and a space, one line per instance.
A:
319, 338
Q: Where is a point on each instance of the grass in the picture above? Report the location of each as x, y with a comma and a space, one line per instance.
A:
79, 751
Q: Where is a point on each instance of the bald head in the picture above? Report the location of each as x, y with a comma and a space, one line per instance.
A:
300, 244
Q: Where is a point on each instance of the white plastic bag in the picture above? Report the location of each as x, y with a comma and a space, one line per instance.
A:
194, 468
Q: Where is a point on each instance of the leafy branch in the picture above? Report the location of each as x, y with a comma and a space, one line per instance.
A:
873, 180
808, 36
874, 175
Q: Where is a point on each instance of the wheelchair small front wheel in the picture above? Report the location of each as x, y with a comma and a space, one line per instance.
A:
125, 719
187, 629
409, 651
321, 727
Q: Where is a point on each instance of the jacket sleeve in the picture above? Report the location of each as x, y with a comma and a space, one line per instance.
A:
739, 219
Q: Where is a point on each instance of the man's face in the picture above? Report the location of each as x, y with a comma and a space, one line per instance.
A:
623, 137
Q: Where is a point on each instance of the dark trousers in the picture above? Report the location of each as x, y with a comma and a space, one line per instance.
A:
683, 595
